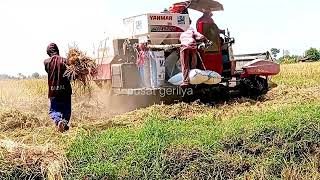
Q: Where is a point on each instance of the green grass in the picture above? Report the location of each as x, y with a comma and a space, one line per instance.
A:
258, 145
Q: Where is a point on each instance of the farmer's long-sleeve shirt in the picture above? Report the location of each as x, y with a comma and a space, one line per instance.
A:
190, 37
55, 66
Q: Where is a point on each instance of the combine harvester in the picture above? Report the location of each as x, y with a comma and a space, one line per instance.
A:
157, 78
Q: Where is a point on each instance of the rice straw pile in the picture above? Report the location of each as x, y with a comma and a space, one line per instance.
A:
81, 68
35, 160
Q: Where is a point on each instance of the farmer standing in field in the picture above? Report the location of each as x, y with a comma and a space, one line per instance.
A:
59, 88
188, 50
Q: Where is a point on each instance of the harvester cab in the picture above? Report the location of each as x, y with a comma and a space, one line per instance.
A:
146, 59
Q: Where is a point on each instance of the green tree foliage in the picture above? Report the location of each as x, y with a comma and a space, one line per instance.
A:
21, 76
5, 76
275, 52
35, 75
313, 54
289, 59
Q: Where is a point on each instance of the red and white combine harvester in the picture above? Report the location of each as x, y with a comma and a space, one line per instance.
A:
146, 61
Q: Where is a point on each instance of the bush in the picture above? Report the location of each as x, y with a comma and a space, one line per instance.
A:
313, 54
289, 59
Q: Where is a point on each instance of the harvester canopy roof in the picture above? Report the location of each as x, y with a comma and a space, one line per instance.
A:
203, 5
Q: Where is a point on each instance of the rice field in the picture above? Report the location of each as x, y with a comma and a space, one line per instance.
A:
274, 137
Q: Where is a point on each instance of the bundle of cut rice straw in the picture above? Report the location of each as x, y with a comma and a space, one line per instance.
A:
81, 68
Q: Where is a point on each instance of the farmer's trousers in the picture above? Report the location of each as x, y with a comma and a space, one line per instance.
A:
60, 109
185, 56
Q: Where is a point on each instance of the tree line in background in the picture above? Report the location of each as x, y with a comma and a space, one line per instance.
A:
22, 76
310, 55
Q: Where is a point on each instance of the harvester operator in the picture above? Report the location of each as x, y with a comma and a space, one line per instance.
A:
212, 57
59, 87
